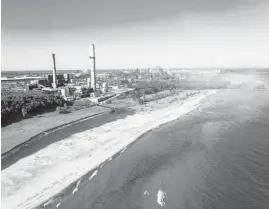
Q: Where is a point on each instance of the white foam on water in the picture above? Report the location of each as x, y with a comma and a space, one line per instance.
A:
122, 151
93, 174
58, 205
161, 198
146, 192
102, 165
78, 183
75, 190
47, 203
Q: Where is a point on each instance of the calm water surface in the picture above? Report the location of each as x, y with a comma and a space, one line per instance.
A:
225, 163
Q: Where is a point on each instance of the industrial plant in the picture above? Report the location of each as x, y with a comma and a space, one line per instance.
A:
97, 86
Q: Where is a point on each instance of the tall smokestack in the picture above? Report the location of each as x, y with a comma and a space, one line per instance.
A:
54, 84
92, 58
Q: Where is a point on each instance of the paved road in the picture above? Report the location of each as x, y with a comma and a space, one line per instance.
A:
43, 140
181, 165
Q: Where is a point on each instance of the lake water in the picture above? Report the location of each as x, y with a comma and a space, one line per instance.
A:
225, 162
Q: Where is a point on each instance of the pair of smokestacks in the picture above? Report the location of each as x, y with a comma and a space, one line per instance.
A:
92, 82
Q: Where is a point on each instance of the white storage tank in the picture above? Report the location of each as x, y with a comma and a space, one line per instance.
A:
63, 92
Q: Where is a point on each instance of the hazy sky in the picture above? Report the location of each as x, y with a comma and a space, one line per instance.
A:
137, 33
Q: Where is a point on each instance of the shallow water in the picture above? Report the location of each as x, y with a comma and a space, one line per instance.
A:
226, 160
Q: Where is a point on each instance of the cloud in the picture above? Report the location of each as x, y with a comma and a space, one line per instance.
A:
67, 14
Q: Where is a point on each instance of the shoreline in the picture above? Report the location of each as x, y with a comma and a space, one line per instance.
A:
65, 159
48, 137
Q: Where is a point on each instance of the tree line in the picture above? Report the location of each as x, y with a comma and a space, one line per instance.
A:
18, 105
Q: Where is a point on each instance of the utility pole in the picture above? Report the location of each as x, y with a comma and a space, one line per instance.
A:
54, 85
93, 75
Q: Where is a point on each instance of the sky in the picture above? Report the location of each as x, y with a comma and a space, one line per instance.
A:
135, 34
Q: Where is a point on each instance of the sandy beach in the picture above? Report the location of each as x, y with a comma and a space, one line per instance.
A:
38, 177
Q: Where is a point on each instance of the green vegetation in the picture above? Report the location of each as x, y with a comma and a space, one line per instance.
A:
81, 104
199, 85
142, 89
152, 87
154, 90
63, 110
17, 105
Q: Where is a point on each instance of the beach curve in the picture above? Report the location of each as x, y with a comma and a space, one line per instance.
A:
66, 159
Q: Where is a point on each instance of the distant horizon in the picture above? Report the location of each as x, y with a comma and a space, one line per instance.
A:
177, 68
